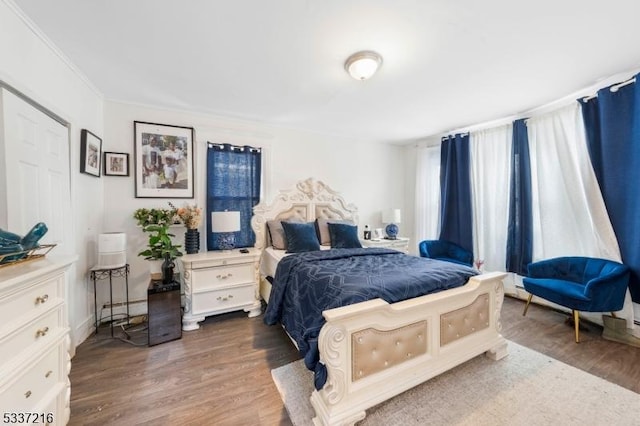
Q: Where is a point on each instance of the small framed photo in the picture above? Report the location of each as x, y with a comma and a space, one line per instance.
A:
163, 160
90, 153
116, 164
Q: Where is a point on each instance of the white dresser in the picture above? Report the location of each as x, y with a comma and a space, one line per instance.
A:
34, 343
216, 282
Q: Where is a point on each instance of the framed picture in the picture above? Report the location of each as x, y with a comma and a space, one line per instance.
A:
163, 160
90, 153
116, 164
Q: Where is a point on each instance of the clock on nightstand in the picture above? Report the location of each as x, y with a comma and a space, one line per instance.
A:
400, 243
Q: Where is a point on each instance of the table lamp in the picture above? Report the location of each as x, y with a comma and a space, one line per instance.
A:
225, 224
391, 217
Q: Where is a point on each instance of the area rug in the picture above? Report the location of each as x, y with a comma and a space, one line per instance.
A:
524, 388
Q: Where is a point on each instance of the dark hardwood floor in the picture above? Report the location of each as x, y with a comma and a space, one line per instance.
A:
221, 373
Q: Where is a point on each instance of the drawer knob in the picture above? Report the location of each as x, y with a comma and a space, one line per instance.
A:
224, 277
42, 299
225, 298
48, 373
42, 332
27, 394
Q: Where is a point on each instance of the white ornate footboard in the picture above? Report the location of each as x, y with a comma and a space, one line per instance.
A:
375, 350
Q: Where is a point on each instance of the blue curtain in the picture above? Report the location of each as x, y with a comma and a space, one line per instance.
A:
520, 228
612, 124
455, 192
233, 183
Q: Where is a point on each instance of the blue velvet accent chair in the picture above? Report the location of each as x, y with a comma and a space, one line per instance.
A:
579, 283
445, 250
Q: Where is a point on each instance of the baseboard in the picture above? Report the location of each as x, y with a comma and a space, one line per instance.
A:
136, 308
81, 333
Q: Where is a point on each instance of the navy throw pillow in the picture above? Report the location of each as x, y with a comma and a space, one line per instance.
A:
300, 237
344, 236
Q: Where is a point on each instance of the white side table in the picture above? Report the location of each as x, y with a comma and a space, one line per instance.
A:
400, 243
220, 281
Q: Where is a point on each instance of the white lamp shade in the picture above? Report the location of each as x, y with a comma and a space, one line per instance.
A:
391, 216
225, 221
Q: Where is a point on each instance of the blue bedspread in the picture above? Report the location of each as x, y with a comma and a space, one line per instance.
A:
308, 283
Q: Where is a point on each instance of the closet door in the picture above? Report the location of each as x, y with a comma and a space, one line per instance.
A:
34, 155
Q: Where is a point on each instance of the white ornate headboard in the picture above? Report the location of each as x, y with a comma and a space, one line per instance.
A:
308, 200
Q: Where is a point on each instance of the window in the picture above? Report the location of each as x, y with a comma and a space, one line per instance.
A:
233, 184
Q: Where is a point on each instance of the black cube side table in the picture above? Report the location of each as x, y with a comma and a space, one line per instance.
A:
164, 313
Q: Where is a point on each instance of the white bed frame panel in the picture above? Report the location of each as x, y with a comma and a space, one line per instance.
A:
373, 350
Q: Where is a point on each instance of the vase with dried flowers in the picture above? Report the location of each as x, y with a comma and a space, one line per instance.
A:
190, 216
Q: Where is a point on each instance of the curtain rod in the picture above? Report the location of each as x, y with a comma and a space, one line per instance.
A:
431, 139
613, 89
233, 147
624, 83
452, 134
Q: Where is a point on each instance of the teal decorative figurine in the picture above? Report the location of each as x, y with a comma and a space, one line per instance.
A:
14, 243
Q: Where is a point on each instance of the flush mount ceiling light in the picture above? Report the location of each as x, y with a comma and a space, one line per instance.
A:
363, 65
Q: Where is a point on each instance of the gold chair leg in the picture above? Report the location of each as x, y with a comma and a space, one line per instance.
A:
526, 307
576, 322
613, 314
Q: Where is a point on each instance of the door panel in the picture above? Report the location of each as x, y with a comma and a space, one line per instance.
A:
36, 178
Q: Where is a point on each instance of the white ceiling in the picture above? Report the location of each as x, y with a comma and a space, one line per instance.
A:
447, 63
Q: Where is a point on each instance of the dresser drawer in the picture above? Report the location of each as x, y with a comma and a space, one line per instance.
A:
33, 332
227, 298
34, 298
33, 385
207, 279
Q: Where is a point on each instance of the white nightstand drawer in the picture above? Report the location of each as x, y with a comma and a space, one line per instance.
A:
25, 392
400, 244
207, 279
36, 298
213, 259
223, 299
35, 331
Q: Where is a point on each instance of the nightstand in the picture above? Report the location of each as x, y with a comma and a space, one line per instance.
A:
220, 281
400, 244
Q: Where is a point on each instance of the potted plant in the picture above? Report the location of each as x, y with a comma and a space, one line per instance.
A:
160, 247
160, 244
145, 217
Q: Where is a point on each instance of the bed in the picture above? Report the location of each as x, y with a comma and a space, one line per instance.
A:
372, 350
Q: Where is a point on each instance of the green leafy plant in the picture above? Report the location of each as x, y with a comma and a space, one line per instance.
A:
160, 243
156, 223
146, 217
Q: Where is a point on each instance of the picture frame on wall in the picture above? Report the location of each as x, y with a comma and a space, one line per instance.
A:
116, 164
163, 160
90, 153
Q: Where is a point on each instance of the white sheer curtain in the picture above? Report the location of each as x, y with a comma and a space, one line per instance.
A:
569, 215
427, 207
490, 171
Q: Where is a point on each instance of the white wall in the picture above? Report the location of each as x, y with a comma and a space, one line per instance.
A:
370, 175
30, 64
